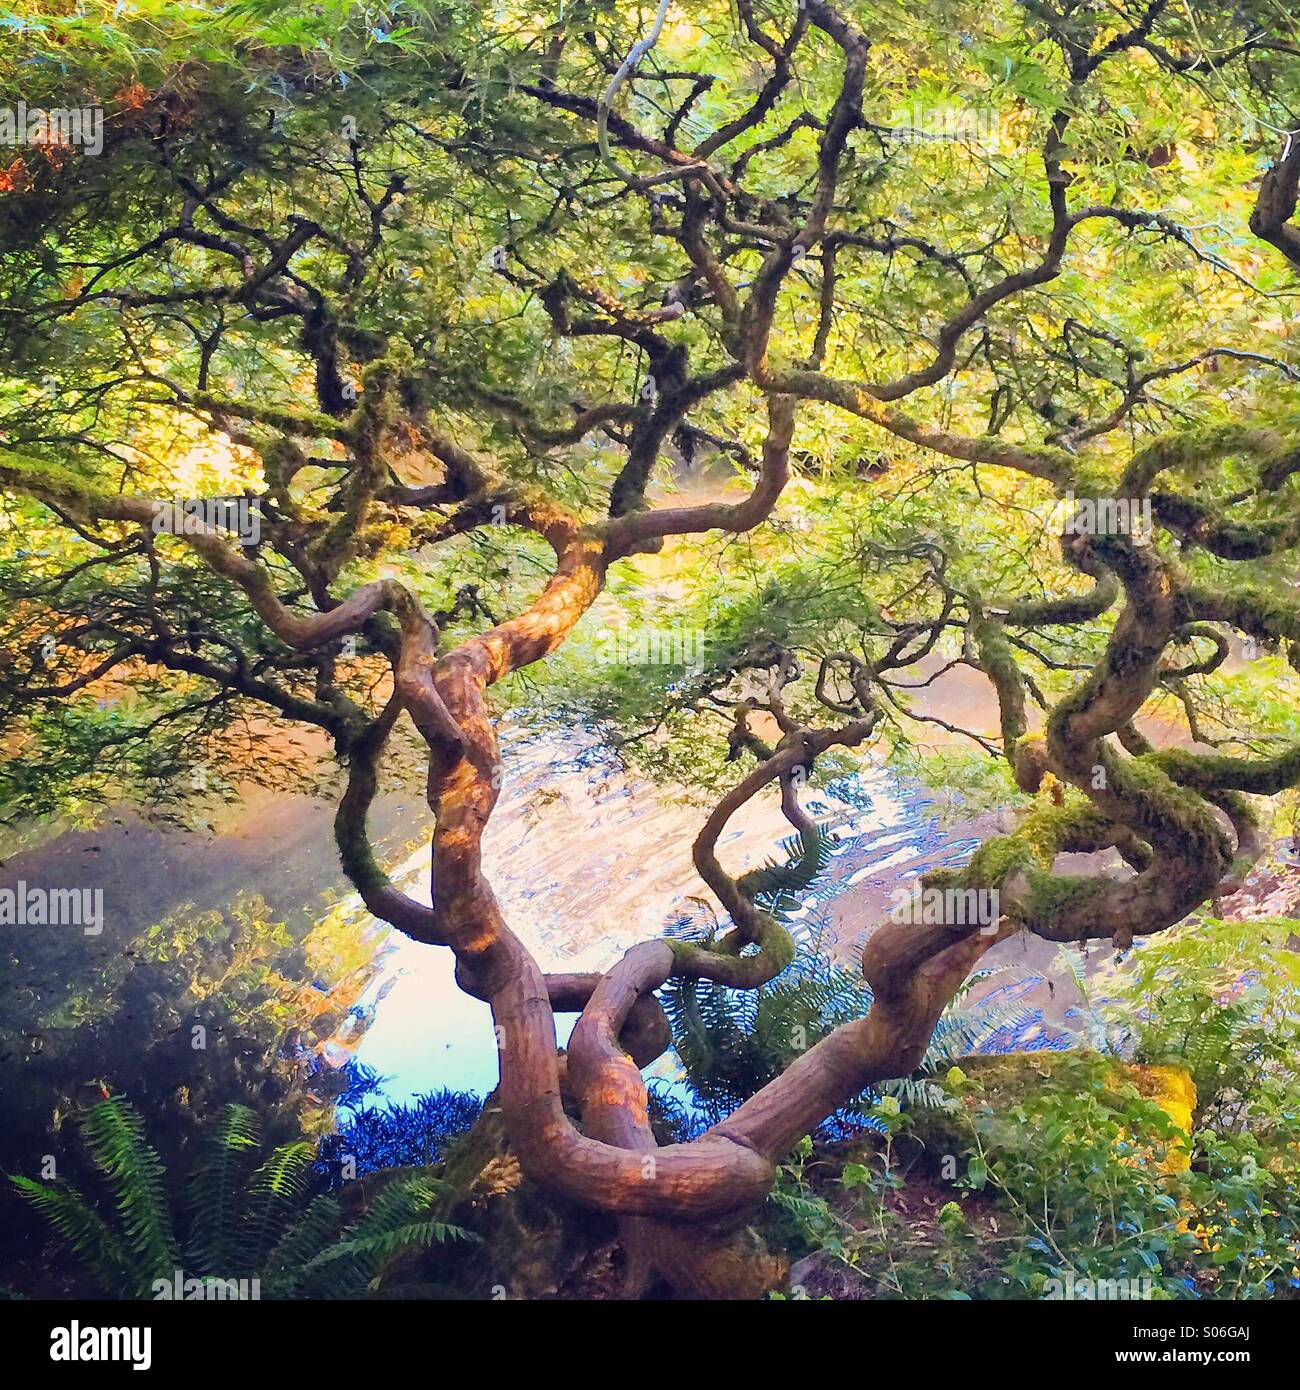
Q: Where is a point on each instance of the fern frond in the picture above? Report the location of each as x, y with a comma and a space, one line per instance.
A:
780, 888
282, 1270
274, 1192
919, 1093
802, 1206
114, 1134
1073, 963
387, 1245
398, 1222
215, 1191
86, 1234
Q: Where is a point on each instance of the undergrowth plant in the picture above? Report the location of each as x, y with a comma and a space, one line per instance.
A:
1223, 1002
731, 1043
1075, 1182
239, 1215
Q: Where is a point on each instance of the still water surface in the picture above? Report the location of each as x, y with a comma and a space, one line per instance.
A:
585, 863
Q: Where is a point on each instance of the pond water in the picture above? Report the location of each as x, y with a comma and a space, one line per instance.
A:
585, 863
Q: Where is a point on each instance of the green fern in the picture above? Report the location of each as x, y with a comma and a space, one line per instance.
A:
301, 1243
239, 1224
733, 1042
398, 1221
216, 1189
780, 888
83, 1230
114, 1135
275, 1191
